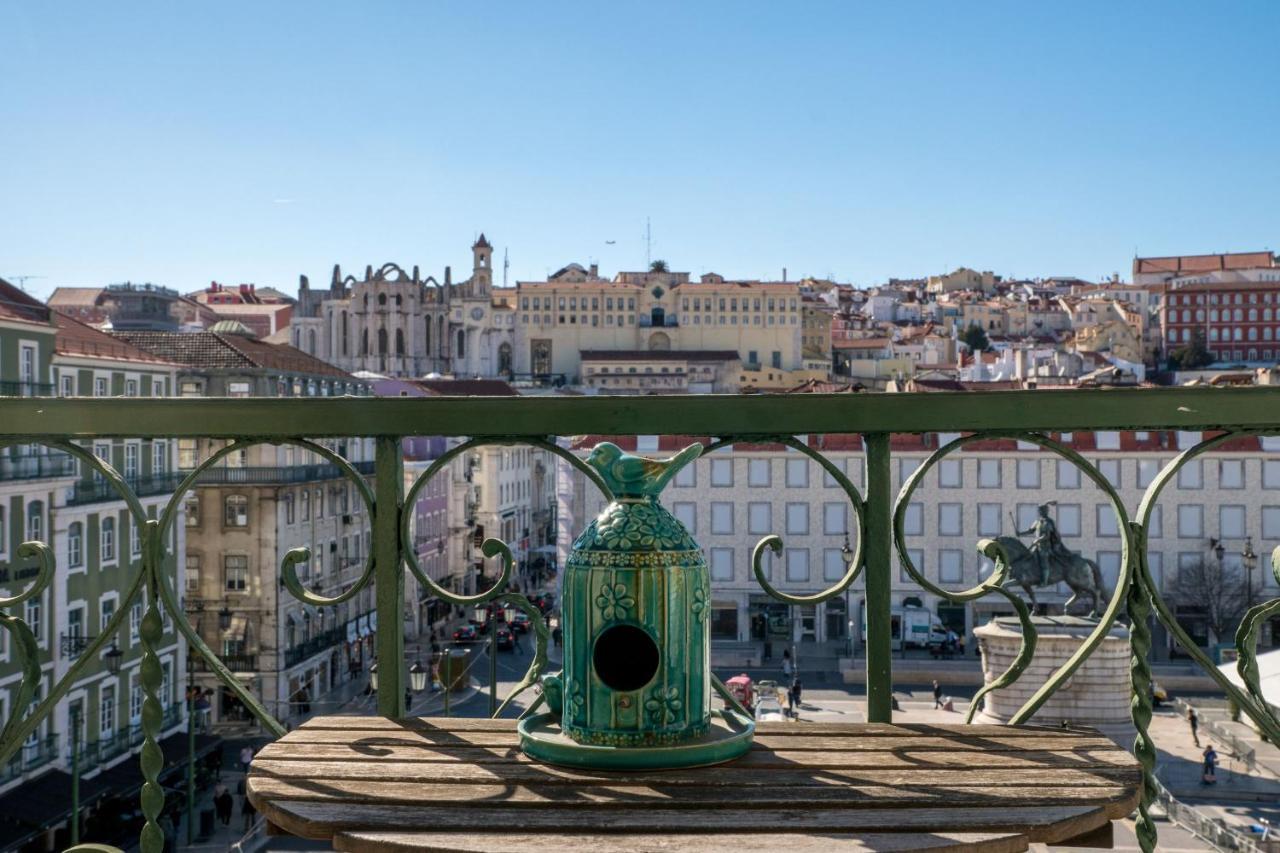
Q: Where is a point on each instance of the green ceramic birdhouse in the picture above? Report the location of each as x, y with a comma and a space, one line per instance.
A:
635, 613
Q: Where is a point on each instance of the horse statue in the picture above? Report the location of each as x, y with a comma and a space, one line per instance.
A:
1079, 573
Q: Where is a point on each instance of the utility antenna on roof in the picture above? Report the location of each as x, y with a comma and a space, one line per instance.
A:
22, 279
506, 264
648, 244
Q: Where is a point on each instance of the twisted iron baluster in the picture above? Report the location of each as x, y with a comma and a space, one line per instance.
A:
152, 678
1138, 603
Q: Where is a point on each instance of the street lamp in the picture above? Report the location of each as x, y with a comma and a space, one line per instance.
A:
1249, 560
373, 675
113, 657
1218, 549
417, 677
224, 618
483, 614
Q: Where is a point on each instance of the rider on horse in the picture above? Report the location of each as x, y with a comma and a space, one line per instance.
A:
1047, 543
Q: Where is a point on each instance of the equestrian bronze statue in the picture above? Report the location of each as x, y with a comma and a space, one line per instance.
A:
1048, 561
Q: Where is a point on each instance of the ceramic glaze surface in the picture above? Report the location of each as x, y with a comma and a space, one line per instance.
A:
635, 602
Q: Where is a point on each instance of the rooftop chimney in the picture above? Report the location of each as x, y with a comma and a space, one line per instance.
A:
595, 270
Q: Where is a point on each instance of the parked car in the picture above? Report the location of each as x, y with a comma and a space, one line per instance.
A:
520, 622
505, 640
466, 634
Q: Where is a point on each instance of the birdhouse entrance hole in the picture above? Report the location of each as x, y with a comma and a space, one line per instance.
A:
625, 658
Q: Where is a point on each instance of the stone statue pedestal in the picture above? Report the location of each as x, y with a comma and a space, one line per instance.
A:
1096, 695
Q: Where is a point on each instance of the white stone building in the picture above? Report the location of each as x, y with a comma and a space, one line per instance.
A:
733, 498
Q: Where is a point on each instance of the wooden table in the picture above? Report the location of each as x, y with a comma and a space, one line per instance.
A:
374, 784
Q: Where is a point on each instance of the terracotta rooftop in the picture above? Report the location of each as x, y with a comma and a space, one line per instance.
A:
214, 351
816, 386
80, 339
1187, 264
74, 297
17, 304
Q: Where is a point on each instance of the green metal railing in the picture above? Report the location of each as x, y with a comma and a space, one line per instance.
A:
536, 421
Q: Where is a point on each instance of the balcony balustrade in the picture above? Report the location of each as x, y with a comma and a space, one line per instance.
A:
98, 490
1221, 415
29, 757
276, 475
235, 663
321, 642
26, 389
36, 466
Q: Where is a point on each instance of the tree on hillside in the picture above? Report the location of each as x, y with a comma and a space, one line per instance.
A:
658, 266
1192, 354
975, 338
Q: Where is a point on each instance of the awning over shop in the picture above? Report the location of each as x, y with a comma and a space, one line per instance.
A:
125, 779
45, 801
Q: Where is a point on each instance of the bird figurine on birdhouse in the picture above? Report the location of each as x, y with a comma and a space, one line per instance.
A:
636, 688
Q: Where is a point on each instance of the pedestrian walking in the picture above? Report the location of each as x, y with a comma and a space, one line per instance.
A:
937, 695
1208, 776
796, 691
248, 812
223, 804
787, 669
246, 755
1193, 720
791, 701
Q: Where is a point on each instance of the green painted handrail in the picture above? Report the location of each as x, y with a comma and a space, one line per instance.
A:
878, 523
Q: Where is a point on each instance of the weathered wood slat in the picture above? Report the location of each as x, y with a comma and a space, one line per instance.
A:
430, 784
850, 796
754, 760
885, 842
807, 729
1041, 824
732, 776
821, 743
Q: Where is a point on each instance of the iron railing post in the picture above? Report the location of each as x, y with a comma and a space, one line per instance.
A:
389, 575
879, 559
75, 777
493, 664
191, 753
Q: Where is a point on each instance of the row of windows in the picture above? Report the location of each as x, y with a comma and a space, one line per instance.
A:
102, 386
989, 473
669, 320
1222, 298
1235, 334
1227, 315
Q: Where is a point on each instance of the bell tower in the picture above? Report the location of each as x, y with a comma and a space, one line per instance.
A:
481, 267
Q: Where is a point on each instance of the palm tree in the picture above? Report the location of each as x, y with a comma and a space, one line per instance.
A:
658, 266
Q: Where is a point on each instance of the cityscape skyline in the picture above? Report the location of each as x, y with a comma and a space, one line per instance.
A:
854, 143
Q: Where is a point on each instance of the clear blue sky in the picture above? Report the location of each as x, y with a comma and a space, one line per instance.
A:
180, 143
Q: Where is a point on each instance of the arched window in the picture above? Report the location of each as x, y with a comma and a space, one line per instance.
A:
1266, 333
364, 342
75, 544
426, 338
382, 342
311, 341
107, 539
1213, 314
306, 504
1253, 333
504, 358
441, 340
1213, 334
382, 299
236, 511
399, 340
342, 319
1236, 334
1239, 314
461, 351
35, 520
288, 508
1253, 315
